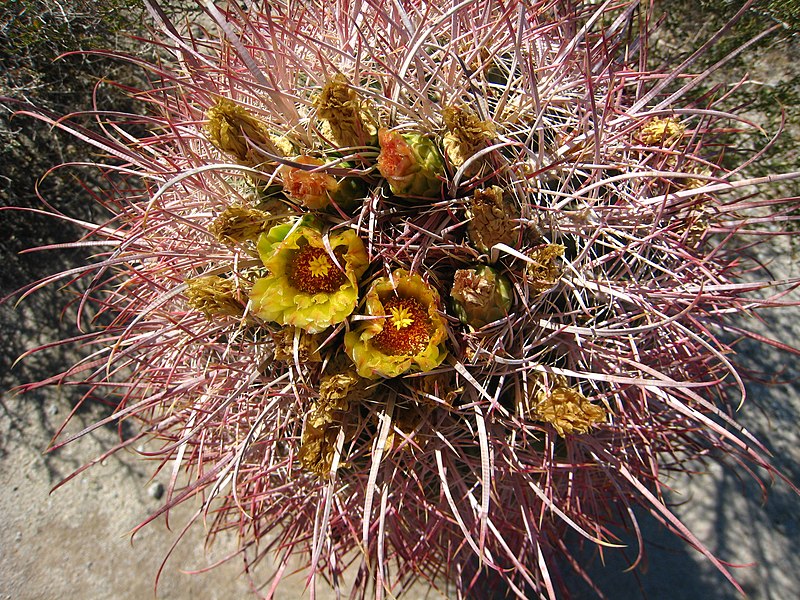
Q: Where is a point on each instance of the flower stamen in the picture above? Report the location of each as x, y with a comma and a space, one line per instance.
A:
319, 267
401, 317
408, 329
311, 271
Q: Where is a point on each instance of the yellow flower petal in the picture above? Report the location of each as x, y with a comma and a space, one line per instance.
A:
299, 290
410, 335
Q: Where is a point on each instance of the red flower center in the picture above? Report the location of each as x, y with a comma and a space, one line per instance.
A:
313, 271
406, 329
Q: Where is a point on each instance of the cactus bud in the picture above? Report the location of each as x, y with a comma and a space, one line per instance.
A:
411, 164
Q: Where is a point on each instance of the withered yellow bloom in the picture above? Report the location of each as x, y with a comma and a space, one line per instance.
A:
406, 418
337, 393
307, 345
480, 296
466, 135
237, 224
696, 182
493, 219
342, 388
565, 408
214, 296
543, 272
233, 129
435, 389
662, 131
318, 444
343, 112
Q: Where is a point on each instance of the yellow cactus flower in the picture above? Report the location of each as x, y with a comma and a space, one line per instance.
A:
407, 333
307, 286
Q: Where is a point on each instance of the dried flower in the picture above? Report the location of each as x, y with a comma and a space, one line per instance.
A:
411, 164
492, 219
337, 393
233, 129
564, 407
283, 145
696, 182
318, 444
480, 296
293, 344
308, 287
341, 109
342, 386
238, 224
409, 333
466, 135
662, 132
436, 389
543, 271
214, 296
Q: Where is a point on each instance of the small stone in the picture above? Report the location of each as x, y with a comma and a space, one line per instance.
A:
156, 490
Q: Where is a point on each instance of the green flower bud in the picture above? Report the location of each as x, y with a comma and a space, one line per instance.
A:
411, 164
316, 189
